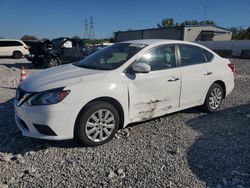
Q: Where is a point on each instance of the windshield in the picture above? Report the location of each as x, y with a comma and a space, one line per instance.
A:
57, 41
111, 57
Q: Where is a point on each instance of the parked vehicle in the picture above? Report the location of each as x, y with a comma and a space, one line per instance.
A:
39, 52
57, 51
127, 82
13, 48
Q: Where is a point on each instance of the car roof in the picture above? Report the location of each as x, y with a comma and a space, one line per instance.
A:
157, 41
10, 40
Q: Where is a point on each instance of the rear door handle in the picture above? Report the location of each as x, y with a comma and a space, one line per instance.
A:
208, 73
173, 79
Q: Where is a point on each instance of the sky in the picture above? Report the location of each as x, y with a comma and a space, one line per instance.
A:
55, 18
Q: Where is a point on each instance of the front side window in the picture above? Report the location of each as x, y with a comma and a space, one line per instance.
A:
160, 58
191, 55
111, 57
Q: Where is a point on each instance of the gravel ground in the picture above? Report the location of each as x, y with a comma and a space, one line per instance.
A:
184, 149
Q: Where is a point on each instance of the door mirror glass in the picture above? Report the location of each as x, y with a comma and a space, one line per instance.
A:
141, 68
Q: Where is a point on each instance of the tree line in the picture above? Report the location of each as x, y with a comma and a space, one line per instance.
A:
169, 22
238, 33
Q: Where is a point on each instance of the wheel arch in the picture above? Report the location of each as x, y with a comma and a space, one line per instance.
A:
110, 100
223, 85
17, 51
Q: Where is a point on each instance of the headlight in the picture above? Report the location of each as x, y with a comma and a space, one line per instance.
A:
48, 97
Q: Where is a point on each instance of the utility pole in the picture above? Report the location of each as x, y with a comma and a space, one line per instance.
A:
205, 13
91, 28
86, 29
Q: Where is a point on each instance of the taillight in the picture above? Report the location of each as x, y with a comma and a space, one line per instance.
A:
233, 68
26, 47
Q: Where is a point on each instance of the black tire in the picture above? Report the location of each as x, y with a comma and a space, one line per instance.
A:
54, 61
17, 54
208, 105
80, 132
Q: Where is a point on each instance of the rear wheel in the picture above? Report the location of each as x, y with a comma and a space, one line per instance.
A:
214, 98
17, 54
97, 124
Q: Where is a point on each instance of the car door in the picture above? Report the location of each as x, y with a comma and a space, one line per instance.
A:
69, 48
155, 93
196, 75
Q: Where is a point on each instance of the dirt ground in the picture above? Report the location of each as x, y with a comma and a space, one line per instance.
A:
184, 149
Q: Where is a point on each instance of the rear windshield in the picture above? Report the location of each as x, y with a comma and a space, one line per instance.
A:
111, 57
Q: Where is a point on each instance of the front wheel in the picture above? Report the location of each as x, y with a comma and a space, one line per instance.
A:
97, 124
214, 98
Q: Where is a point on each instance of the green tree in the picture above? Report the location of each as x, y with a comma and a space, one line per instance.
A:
238, 33
169, 22
196, 22
166, 22
43, 39
29, 37
76, 37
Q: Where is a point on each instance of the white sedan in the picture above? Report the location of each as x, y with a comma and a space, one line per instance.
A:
127, 82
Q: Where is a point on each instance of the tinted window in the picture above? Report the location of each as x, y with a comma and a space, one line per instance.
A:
160, 58
2, 43
191, 55
10, 43
209, 56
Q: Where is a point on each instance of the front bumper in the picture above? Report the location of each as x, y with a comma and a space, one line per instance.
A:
58, 120
32, 57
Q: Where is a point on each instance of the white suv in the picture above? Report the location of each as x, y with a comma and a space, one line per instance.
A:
127, 82
14, 48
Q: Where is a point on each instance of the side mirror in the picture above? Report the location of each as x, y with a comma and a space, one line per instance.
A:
141, 68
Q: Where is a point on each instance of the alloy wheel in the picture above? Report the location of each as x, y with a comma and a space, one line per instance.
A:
215, 98
100, 125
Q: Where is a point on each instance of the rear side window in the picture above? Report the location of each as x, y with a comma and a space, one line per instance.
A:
209, 56
10, 43
2, 43
191, 55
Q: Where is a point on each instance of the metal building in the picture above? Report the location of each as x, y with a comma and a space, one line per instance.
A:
187, 33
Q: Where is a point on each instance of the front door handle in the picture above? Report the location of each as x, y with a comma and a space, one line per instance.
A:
173, 79
208, 73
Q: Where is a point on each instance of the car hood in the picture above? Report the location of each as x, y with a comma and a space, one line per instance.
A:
61, 76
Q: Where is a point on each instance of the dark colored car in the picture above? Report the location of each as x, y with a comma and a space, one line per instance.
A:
57, 51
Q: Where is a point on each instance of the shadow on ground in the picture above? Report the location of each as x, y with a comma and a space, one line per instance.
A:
11, 139
224, 145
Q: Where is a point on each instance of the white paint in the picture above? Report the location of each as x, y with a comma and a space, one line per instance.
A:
8, 50
139, 94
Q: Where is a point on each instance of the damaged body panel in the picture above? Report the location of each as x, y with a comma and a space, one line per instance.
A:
152, 94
